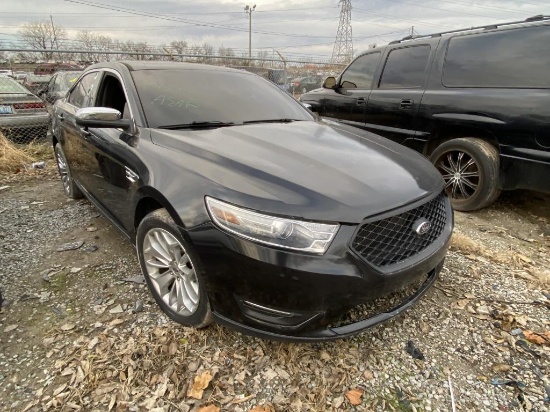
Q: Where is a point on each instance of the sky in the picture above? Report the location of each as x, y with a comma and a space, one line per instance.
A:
294, 28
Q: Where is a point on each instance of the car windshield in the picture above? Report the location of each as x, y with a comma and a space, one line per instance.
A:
8, 86
181, 97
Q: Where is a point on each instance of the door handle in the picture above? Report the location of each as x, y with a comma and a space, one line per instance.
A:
361, 101
85, 133
406, 104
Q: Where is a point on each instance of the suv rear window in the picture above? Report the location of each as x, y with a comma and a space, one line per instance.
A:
405, 68
517, 58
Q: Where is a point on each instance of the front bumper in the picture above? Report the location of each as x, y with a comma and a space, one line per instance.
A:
284, 295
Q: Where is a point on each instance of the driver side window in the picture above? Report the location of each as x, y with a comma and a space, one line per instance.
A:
360, 73
80, 95
111, 94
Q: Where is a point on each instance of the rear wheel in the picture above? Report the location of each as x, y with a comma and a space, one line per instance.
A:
69, 186
470, 168
171, 270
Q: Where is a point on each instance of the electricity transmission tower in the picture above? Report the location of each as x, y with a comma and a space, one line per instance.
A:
343, 45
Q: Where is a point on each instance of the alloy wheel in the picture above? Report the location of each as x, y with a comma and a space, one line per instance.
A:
63, 171
460, 172
171, 271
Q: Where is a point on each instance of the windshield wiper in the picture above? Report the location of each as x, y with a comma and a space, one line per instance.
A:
196, 125
271, 121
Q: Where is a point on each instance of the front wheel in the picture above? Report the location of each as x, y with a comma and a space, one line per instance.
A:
171, 270
470, 168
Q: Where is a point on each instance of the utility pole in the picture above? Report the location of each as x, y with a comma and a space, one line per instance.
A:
343, 45
249, 10
54, 37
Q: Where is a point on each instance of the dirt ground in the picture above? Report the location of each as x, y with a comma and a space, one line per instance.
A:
80, 331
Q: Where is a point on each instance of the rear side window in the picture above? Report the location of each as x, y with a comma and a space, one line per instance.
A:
79, 96
405, 68
517, 58
360, 73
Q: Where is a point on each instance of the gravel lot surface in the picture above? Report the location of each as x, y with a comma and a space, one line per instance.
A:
79, 331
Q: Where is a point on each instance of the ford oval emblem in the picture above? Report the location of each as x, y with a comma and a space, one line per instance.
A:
422, 226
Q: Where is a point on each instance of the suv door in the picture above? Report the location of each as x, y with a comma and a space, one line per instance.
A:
348, 101
395, 99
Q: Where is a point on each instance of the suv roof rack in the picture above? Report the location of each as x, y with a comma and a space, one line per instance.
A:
538, 17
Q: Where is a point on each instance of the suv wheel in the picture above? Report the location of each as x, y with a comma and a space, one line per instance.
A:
470, 168
171, 272
69, 186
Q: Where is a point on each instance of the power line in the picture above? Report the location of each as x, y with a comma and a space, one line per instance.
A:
188, 21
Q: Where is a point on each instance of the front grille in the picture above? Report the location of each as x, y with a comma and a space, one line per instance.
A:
393, 240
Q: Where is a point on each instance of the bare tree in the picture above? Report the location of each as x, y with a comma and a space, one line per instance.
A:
43, 35
179, 47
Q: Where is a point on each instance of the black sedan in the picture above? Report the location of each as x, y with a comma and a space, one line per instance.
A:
245, 207
305, 84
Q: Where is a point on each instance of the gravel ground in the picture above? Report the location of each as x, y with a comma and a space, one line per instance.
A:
78, 331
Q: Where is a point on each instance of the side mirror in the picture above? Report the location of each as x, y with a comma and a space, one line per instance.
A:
329, 83
101, 117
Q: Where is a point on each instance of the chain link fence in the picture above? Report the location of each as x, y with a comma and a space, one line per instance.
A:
29, 85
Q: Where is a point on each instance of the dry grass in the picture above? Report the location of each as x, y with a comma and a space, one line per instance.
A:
12, 157
522, 266
467, 245
15, 157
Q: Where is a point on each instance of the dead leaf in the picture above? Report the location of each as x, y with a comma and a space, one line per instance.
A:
241, 400
354, 396
501, 368
93, 342
368, 375
461, 303
172, 349
116, 322
524, 258
325, 356
209, 408
200, 383
48, 341
67, 327
263, 408
425, 327
10, 328
59, 389
536, 338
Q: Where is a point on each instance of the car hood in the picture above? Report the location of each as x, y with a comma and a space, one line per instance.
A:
304, 169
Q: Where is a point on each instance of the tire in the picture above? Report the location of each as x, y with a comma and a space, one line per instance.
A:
470, 168
171, 269
69, 186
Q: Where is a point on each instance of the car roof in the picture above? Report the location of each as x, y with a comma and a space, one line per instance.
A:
137, 65
531, 21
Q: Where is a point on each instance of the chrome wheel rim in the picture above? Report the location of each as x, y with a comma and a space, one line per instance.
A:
63, 171
460, 172
171, 271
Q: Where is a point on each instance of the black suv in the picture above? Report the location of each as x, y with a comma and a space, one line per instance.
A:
475, 101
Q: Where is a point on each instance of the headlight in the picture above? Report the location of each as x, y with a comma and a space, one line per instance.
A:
272, 230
